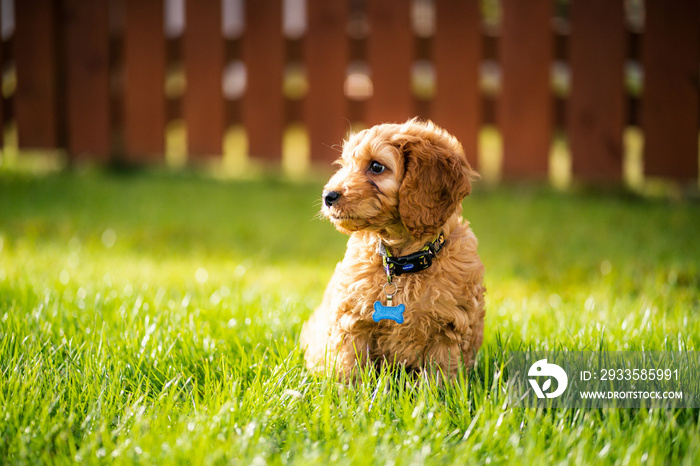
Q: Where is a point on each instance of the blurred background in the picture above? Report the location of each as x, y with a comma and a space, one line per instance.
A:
150, 312
558, 90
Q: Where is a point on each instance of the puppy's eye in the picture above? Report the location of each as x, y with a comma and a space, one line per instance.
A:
376, 167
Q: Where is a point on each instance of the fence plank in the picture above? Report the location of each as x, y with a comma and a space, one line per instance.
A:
263, 54
456, 56
597, 100
203, 104
390, 54
144, 75
671, 51
525, 102
36, 105
326, 56
87, 79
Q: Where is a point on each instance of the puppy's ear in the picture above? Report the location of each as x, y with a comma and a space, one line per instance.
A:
437, 177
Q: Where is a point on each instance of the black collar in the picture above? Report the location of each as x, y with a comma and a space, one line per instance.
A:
421, 260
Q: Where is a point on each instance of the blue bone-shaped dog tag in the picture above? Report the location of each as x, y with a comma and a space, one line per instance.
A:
394, 313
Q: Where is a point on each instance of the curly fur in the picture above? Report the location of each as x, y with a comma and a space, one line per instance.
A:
418, 195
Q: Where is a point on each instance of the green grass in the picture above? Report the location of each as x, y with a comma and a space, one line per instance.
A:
154, 318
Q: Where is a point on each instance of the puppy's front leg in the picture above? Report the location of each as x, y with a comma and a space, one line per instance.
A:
347, 354
447, 355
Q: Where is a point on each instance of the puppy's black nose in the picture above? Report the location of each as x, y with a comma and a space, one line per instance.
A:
331, 198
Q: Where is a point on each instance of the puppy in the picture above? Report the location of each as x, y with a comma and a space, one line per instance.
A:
410, 287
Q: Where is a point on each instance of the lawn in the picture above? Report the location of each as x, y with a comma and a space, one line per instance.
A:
153, 318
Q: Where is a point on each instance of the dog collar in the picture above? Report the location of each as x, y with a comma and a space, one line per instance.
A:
421, 260
411, 263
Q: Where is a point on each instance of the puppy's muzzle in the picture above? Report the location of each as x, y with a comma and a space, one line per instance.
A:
330, 198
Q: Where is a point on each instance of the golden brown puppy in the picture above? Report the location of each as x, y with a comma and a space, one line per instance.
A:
409, 289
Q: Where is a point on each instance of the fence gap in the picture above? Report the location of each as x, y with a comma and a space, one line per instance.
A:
525, 101
423, 72
357, 85
294, 81
671, 51
456, 55
596, 105
390, 53
263, 102
144, 81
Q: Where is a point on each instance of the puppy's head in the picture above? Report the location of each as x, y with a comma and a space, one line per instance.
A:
398, 180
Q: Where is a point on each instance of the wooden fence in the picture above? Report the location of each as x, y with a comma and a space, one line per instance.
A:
103, 78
